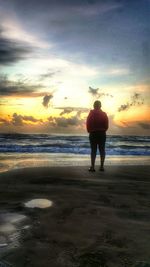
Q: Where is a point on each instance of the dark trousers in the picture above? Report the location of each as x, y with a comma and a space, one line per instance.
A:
97, 139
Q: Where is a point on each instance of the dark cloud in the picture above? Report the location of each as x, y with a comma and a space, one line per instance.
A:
74, 120
19, 88
31, 118
145, 126
94, 92
98, 92
124, 107
65, 122
18, 120
12, 51
136, 100
46, 100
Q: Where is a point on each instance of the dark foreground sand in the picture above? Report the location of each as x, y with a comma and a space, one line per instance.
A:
97, 220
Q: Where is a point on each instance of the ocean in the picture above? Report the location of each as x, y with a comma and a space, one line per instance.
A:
28, 150
44, 143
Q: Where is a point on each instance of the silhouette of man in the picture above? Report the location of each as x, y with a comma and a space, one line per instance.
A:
97, 125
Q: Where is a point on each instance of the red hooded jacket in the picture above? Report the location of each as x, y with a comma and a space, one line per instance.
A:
97, 120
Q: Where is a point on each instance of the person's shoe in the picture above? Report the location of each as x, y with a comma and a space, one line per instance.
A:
91, 169
101, 169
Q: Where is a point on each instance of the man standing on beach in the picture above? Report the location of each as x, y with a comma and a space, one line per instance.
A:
97, 125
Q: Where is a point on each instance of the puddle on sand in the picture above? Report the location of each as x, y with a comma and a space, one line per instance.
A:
39, 203
11, 225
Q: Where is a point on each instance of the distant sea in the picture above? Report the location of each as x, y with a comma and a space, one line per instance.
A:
21, 150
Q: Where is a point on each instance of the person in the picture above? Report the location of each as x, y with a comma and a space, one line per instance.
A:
97, 125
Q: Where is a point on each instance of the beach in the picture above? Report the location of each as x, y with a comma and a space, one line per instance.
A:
96, 219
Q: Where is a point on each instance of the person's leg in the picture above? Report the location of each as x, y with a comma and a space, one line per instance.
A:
102, 157
101, 146
93, 154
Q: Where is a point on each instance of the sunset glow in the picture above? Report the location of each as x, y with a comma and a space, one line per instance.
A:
57, 59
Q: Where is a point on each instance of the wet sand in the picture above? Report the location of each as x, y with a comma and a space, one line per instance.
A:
96, 220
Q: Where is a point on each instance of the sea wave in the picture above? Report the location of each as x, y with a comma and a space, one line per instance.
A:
43, 143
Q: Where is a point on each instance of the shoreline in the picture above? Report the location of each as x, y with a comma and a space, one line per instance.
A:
21, 160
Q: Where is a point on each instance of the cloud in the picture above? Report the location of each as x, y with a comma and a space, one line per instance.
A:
74, 120
62, 22
144, 125
136, 100
19, 88
13, 28
4, 104
46, 100
93, 92
18, 120
31, 118
12, 51
4, 121
116, 71
124, 107
124, 124
65, 122
14, 88
48, 74
138, 126
62, 7
68, 110
93, 8
98, 92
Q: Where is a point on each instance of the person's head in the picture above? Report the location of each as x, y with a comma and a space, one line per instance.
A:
97, 104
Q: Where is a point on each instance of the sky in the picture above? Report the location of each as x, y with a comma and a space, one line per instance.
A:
58, 56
